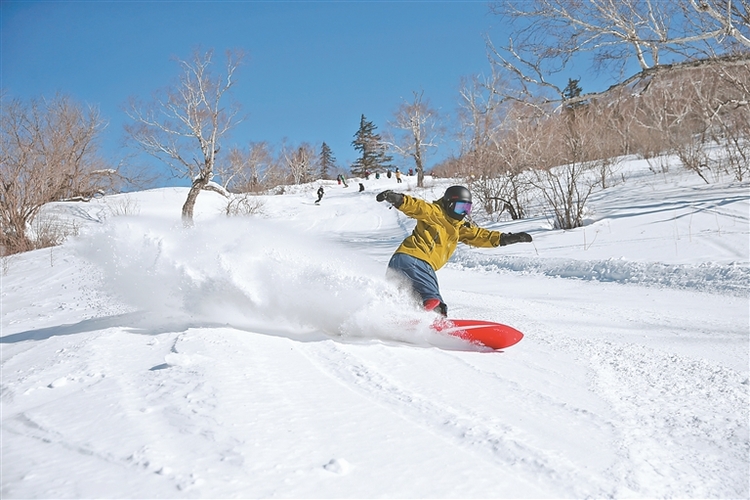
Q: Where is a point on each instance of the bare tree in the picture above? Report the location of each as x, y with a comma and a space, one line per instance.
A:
494, 160
567, 187
583, 162
414, 130
49, 152
480, 112
251, 170
301, 162
501, 191
668, 105
185, 123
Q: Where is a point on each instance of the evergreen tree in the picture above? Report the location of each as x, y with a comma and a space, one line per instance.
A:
573, 90
373, 155
327, 161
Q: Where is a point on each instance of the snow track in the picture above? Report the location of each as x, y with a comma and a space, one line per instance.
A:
697, 407
470, 429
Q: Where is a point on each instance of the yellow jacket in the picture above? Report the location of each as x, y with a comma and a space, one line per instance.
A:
436, 235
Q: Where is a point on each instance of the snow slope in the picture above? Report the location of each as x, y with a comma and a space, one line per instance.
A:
267, 356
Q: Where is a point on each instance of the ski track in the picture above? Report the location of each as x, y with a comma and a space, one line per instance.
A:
168, 400
697, 407
85, 367
470, 429
667, 407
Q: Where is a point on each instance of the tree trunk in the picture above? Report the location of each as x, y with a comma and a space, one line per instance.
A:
420, 169
511, 210
187, 208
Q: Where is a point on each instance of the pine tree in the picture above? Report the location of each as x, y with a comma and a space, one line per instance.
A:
327, 161
571, 91
373, 156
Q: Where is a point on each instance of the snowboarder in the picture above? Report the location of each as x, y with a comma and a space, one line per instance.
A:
440, 226
320, 195
398, 176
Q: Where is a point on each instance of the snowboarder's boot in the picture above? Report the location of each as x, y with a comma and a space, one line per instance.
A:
436, 305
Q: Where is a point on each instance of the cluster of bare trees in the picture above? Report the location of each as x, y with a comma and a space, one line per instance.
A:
549, 34
700, 113
516, 152
48, 152
526, 138
260, 167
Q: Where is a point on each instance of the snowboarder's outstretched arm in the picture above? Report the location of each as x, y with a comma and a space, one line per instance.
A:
479, 237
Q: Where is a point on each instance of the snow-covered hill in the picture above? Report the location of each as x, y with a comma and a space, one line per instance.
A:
267, 356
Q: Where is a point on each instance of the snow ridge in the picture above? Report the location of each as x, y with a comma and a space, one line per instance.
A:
732, 279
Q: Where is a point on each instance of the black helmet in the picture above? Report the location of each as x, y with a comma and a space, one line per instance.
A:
457, 202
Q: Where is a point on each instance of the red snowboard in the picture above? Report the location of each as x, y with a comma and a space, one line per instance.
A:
487, 333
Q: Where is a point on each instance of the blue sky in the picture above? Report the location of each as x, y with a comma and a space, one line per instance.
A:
312, 68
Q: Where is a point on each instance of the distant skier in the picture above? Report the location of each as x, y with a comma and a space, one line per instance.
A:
361, 187
398, 176
440, 226
320, 195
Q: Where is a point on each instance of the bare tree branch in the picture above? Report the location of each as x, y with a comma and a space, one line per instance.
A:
549, 33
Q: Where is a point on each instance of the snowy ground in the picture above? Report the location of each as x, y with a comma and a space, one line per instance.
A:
267, 356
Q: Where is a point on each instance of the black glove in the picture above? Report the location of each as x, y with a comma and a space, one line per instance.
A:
510, 238
395, 199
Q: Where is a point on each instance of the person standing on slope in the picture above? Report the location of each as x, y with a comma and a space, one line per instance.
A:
440, 226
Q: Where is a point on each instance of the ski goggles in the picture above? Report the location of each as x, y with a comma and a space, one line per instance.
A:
462, 207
